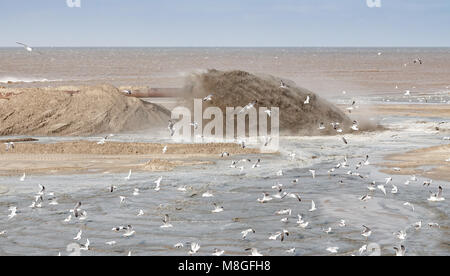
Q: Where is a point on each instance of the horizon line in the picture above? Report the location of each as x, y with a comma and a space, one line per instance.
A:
117, 46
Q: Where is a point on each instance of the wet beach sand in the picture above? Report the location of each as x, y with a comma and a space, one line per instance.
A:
112, 157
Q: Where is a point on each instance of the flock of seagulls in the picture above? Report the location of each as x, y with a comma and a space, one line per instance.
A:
127, 231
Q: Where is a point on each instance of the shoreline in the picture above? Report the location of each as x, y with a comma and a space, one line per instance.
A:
427, 162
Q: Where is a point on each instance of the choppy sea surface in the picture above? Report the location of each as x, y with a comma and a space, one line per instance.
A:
323, 70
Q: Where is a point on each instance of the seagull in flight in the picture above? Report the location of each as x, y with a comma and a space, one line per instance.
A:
166, 222
409, 204
333, 249
313, 206
254, 252
208, 98
217, 208
366, 232
171, 127
13, 213
129, 231
283, 85
129, 176
437, 196
307, 100
280, 235
266, 198
207, 194
22, 179
218, 252
76, 210
400, 251
28, 48
78, 236
9, 146
194, 248
248, 107
381, 188
246, 232
158, 183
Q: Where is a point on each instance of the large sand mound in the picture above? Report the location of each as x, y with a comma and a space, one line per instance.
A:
84, 111
238, 88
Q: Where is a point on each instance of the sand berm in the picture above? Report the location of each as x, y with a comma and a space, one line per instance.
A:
78, 111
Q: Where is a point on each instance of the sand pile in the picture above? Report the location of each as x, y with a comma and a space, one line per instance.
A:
238, 88
77, 111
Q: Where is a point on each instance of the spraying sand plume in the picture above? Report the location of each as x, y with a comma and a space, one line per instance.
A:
301, 111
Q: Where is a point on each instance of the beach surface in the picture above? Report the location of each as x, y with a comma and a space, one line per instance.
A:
112, 157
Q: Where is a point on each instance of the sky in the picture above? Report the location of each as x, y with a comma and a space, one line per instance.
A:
226, 23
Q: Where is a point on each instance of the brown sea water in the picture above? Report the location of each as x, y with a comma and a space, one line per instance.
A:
322, 70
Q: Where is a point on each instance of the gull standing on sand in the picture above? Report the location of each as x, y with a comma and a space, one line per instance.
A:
164, 150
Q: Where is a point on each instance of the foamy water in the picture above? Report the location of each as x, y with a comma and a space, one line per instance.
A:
43, 232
